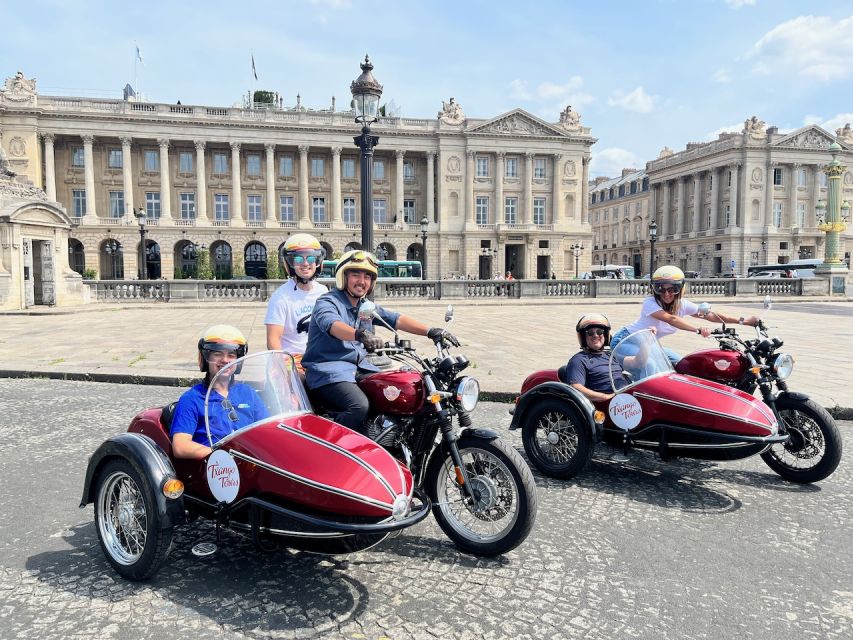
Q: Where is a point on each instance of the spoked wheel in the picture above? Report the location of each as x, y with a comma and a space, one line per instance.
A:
504, 507
814, 449
128, 523
557, 439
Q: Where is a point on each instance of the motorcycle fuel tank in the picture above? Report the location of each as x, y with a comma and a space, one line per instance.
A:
714, 364
396, 392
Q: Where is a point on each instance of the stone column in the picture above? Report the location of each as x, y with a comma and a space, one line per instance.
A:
398, 186
556, 203
500, 169
271, 200
768, 196
811, 219
715, 199
89, 176
527, 206
201, 183
469, 187
584, 189
127, 175
697, 202
236, 186
665, 220
337, 198
653, 208
430, 203
304, 208
789, 218
49, 167
165, 183
734, 204
681, 210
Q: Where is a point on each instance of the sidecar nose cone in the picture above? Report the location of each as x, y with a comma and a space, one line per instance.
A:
400, 508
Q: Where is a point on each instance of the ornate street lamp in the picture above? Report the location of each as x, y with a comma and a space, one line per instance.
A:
424, 228
113, 249
578, 250
653, 237
142, 219
381, 252
366, 92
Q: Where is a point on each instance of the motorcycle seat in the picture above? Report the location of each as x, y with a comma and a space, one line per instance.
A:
561, 374
166, 415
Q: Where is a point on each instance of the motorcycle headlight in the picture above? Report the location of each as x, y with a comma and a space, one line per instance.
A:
467, 393
783, 365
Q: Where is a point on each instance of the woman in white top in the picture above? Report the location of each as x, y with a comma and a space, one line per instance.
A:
290, 307
665, 311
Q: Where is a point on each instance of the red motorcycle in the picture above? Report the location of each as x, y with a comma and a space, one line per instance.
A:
660, 410
813, 449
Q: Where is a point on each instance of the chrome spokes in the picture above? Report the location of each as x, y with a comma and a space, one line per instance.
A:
557, 437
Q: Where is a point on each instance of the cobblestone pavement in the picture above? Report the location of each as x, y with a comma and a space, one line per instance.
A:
631, 550
505, 342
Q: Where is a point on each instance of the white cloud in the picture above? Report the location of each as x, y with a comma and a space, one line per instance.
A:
737, 4
731, 128
610, 162
518, 90
638, 100
550, 98
816, 47
830, 124
723, 75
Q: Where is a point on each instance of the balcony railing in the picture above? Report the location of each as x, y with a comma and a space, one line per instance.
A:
256, 223
185, 222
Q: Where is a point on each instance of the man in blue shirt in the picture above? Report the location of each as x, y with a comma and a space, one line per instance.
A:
338, 342
231, 405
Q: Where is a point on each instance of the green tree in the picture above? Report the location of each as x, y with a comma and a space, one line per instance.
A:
203, 269
239, 269
274, 271
264, 97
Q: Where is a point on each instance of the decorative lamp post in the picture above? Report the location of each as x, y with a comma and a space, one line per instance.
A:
578, 250
113, 249
424, 227
142, 219
832, 220
381, 252
653, 237
366, 92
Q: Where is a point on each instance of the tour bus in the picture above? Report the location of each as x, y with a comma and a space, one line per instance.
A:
612, 271
803, 268
409, 269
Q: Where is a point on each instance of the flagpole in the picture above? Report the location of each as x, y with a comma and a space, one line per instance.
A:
135, 59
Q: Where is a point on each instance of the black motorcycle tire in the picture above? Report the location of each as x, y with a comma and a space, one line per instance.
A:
549, 460
127, 521
827, 430
440, 474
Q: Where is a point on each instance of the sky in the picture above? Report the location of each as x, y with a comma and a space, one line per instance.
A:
642, 74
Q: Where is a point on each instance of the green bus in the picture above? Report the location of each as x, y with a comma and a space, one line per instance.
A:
408, 269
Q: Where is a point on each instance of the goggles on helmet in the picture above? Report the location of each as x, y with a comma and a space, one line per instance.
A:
359, 257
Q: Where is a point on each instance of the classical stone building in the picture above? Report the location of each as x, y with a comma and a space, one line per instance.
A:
744, 199
504, 193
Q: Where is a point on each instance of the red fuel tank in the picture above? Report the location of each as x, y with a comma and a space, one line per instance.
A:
399, 392
714, 364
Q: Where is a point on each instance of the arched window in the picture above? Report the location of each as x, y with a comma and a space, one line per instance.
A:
256, 260
76, 256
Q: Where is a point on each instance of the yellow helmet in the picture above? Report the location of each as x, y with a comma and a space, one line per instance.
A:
667, 275
221, 337
306, 246
360, 260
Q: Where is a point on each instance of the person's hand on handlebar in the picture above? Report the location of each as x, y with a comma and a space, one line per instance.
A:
371, 341
437, 334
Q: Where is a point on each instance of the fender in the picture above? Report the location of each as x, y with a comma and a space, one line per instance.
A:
793, 395
151, 463
560, 391
484, 434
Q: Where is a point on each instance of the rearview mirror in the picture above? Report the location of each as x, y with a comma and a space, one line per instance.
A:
768, 302
448, 315
366, 310
704, 309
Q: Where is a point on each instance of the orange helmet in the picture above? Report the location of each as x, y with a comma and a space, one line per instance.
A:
303, 246
220, 337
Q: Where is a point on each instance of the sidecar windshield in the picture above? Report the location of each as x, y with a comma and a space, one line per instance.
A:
255, 389
639, 356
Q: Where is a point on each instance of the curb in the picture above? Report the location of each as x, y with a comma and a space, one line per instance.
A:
504, 397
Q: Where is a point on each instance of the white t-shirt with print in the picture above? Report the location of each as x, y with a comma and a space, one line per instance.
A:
290, 307
650, 306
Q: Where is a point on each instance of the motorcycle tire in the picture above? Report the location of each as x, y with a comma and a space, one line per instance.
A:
556, 439
814, 449
505, 495
128, 523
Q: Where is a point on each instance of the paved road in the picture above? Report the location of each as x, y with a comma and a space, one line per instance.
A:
641, 550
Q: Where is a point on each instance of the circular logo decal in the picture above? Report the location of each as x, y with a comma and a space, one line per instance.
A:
223, 477
625, 411
391, 393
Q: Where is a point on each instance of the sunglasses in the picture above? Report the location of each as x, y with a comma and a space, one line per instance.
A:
232, 412
595, 332
662, 290
303, 259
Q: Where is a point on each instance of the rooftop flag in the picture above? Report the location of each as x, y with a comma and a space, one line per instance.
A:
254, 72
139, 55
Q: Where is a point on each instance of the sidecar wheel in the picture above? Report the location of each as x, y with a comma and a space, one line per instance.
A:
557, 439
503, 512
814, 449
128, 523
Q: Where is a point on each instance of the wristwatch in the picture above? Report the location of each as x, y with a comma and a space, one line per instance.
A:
699, 331
740, 320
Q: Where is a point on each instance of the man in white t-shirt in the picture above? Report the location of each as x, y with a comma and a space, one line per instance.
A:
290, 307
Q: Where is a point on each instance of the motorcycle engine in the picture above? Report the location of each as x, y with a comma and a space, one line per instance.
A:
384, 430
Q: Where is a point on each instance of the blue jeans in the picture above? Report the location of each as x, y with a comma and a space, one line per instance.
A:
631, 350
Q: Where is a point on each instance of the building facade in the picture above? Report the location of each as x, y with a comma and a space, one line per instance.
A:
499, 194
744, 199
